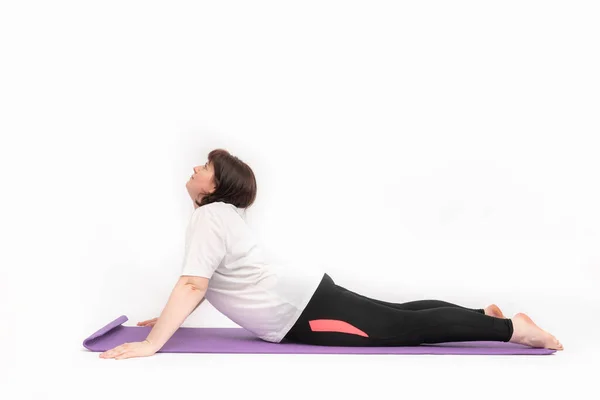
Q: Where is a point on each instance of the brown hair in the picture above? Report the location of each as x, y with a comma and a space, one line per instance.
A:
234, 181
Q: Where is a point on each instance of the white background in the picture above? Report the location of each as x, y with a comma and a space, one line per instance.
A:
441, 150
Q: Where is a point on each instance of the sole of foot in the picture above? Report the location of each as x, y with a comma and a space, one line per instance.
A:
528, 333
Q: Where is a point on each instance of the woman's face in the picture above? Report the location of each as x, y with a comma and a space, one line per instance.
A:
201, 182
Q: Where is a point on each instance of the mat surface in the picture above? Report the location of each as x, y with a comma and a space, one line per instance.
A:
239, 340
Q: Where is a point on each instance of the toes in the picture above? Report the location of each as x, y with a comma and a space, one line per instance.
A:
556, 345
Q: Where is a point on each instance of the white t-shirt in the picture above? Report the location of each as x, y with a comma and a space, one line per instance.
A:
264, 298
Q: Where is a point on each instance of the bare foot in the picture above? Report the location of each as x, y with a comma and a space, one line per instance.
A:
494, 311
528, 333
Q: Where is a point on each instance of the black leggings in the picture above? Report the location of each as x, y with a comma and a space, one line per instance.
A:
336, 316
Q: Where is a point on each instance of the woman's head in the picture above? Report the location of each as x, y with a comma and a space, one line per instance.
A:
223, 178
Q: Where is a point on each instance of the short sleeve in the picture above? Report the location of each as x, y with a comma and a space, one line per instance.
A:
205, 244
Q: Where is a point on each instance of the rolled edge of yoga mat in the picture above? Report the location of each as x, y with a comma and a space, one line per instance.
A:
104, 330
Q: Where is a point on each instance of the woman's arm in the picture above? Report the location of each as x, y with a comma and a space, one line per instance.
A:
186, 295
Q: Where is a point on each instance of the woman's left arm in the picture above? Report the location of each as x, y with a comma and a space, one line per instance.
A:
187, 294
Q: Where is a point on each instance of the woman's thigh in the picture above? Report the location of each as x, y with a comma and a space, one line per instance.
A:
339, 317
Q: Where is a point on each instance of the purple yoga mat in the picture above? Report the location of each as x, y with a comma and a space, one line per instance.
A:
239, 340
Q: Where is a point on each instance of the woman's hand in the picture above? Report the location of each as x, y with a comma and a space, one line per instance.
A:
148, 322
130, 350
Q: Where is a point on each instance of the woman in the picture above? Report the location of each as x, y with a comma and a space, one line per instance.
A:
224, 263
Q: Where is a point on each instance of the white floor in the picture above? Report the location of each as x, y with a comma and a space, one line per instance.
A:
59, 373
